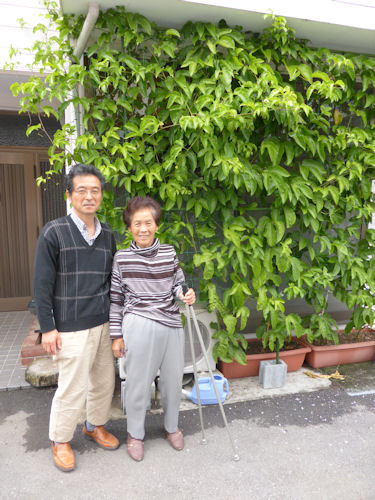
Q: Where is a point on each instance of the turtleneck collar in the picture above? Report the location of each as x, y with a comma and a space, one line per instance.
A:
146, 252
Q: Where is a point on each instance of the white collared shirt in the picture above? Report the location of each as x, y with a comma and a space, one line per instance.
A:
83, 228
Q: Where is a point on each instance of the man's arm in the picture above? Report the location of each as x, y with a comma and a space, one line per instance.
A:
45, 266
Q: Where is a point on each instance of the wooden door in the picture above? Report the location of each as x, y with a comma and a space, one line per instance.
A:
18, 228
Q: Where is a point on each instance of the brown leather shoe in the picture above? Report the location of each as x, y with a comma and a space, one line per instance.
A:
102, 437
176, 439
134, 448
63, 456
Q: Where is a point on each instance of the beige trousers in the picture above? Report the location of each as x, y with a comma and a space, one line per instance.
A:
86, 377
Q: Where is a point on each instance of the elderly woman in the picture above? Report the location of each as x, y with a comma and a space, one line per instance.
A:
145, 322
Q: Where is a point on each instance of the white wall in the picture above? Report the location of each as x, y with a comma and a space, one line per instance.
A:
11, 34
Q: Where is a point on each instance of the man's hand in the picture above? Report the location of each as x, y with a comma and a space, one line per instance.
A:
189, 297
51, 341
118, 348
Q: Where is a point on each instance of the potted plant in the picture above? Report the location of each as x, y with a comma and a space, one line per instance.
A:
340, 346
272, 374
272, 344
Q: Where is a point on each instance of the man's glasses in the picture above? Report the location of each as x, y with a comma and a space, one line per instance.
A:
84, 192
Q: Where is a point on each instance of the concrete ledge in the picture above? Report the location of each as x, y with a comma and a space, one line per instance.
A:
248, 388
240, 389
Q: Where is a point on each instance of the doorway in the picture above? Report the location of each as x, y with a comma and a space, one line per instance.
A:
20, 222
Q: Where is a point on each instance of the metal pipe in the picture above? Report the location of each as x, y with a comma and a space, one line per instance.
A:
190, 312
196, 380
88, 26
199, 335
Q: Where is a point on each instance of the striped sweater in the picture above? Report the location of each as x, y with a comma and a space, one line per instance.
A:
145, 282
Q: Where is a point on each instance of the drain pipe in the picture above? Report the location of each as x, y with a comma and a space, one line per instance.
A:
73, 114
88, 26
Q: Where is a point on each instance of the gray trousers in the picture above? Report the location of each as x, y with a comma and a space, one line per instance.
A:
149, 347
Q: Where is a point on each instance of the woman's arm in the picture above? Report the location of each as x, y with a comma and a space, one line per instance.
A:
178, 278
117, 299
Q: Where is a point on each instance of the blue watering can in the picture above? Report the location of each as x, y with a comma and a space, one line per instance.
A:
207, 390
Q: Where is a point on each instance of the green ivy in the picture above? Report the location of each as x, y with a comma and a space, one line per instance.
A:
260, 148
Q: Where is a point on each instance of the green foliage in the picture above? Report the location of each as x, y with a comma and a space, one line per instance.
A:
260, 148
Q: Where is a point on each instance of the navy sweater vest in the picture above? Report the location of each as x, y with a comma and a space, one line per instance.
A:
72, 278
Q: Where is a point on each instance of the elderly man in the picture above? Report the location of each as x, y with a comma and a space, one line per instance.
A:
72, 273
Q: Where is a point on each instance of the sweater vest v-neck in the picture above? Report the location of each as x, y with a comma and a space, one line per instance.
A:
80, 294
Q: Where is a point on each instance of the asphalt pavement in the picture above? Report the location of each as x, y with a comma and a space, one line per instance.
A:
305, 445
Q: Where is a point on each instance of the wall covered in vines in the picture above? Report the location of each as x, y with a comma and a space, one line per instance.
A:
260, 149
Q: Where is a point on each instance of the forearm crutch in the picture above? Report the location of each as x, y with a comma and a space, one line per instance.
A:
190, 309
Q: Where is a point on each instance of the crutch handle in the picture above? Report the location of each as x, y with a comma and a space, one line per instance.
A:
185, 288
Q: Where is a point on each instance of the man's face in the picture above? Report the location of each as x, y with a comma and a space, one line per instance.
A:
86, 195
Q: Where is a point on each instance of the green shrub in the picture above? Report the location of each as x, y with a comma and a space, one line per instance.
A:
260, 148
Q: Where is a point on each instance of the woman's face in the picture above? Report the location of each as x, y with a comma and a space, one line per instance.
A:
143, 227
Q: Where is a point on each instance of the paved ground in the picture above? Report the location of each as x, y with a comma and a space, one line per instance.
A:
13, 329
307, 445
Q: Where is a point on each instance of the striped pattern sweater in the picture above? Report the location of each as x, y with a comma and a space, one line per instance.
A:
145, 282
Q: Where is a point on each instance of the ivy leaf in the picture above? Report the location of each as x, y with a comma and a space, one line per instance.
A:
270, 233
173, 32
32, 128
212, 46
305, 72
226, 41
289, 152
316, 168
293, 71
231, 323
272, 146
208, 271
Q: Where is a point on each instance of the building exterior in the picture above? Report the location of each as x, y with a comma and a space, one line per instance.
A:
24, 207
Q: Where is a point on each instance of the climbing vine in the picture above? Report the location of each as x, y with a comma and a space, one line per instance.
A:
260, 149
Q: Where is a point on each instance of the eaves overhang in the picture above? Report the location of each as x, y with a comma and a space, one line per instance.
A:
343, 25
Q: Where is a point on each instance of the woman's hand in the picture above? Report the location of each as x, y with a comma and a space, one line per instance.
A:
189, 297
118, 348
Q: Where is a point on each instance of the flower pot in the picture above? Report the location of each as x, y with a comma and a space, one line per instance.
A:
340, 354
294, 358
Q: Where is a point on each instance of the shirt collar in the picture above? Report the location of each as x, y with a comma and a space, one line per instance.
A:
82, 226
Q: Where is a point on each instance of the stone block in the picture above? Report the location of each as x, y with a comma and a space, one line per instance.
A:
272, 375
42, 372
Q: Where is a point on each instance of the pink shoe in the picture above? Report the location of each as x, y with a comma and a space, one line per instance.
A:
135, 448
176, 439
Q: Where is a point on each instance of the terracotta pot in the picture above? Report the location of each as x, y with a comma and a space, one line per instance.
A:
294, 358
341, 354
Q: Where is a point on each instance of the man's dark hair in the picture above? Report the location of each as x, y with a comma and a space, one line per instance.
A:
82, 169
139, 203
